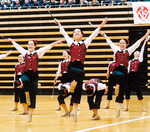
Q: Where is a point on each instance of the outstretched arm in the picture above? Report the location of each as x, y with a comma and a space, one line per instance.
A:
142, 50
112, 45
8, 53
103, 23
42, 50
5, 55
63, 32
18, 47
137, 43
95, 33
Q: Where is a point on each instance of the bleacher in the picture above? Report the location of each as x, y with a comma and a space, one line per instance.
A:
29, 24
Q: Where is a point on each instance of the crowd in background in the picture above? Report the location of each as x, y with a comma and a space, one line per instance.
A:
28, 4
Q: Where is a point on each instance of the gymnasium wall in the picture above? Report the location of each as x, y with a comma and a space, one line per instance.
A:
24, 25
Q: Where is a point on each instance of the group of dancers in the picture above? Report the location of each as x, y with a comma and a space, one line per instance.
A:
124, 74
72, 70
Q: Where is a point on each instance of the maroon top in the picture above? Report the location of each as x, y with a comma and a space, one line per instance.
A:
112, 67
20, 68
122, 58
64, 66
78, 52
94, 81
134, 65
31, 62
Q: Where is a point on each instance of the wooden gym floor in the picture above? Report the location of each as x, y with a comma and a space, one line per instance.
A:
46, 119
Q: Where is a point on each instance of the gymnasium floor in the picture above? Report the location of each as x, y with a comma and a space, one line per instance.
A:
46, 119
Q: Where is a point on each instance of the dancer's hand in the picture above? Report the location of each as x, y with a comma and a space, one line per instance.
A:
104, 21
60, 41
147, 33
39, 85
57, 22
102, 33
19, 86
10, 40
147, 39
55, 81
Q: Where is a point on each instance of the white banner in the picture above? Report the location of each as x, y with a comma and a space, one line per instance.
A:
141, 12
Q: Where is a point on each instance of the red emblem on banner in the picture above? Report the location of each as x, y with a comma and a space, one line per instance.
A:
143, 12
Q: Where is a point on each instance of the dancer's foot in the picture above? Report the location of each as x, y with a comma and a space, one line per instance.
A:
79, 108
123, 106
143, 108
106, 107
74, 116
29, 118
14, 109
93, 115
58, 108
125, 109
96, 118
117, 113
24, 113
65, 114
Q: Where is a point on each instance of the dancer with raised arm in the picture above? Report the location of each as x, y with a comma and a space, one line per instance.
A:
122, 54
133, 76
76, 67
30, 76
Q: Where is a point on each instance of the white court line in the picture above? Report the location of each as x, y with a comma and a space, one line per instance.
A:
60, 116
113, 124
33, 115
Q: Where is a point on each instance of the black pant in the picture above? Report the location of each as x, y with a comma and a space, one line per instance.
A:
75, 70
111, 83
133, 83
98, 98
61, 99
30, 84
64, 79
20, 95
19, 92
121, 79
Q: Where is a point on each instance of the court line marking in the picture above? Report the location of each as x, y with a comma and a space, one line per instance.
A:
113, 124
60, 116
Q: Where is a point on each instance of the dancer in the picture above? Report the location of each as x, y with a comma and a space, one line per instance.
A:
19, 92
94, 89
76, 66
64, 89
30, 76
62, 69
133, 76
111, 81
122, 58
